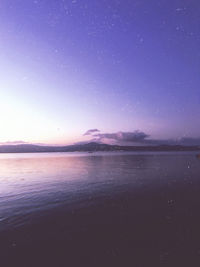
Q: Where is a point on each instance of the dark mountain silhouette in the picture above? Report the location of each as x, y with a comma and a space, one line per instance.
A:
91, 147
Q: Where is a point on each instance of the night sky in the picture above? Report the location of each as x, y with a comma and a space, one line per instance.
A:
129, 66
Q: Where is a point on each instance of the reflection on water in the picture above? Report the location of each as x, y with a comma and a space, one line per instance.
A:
35, 182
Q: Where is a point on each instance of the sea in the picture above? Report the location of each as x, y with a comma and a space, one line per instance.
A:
100, 209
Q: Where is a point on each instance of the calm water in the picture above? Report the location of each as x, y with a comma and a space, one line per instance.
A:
119, 202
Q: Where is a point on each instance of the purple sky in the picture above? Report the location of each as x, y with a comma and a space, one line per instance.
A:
68, 66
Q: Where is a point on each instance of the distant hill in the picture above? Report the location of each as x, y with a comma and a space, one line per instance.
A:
91, 147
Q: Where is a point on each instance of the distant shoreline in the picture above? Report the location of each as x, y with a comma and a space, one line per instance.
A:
93, 147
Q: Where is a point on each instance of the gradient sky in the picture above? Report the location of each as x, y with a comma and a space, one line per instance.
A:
67, 66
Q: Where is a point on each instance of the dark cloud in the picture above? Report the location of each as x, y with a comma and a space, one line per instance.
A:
91, 131
135, 136
138, 138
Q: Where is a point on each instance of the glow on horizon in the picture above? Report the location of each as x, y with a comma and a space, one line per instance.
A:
94, 66
33, 109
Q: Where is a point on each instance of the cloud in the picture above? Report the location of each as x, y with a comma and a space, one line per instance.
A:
95, 140
185, 141
190, 141
18, 142
138, 138
91, 131
135, 136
